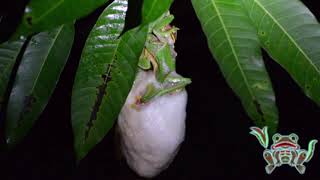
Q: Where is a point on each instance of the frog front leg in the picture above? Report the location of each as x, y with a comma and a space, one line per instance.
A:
268, 155
171, 84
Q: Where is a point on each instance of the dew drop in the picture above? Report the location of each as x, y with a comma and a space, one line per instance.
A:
28, 10
262, 33
315, 80
22, 38
8, 140
267, 43
308, 90
308, 87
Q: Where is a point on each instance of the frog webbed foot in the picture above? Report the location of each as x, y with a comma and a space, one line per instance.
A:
270, 168
301, 168
268, 156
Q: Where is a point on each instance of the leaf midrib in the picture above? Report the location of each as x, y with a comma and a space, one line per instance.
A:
287, 34
104, 82
46, 57
232, 48
150, 12
48, 12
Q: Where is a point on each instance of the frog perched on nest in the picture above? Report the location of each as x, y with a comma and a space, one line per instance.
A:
152, 121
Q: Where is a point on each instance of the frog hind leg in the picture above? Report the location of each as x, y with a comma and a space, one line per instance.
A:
267, 155
269, 168
301, 168
299, 160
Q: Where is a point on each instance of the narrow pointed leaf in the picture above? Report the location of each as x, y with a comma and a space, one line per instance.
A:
290, 34
235, 46
153, 9
43, 15
9, 52
37, 76
105, 75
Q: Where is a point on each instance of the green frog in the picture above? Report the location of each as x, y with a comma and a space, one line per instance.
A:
159, 56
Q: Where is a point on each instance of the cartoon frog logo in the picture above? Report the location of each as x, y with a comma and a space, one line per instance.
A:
284, 150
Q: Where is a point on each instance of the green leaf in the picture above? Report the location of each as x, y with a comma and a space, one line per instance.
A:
36, 79
43, 15
153, 9
235, 46
9, 52
105, 75
291, 35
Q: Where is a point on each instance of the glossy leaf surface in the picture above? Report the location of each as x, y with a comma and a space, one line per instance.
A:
290, 34
153, 9
234, 43
105, 75
9, 52
36, 79
43, 15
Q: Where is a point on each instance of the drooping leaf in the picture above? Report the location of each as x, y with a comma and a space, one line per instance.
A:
153, 9
8, 54
105, 75
37, 76
235, 46
43, 15
290, 34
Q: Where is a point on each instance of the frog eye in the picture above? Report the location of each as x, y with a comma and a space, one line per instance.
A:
294, 137
276, 137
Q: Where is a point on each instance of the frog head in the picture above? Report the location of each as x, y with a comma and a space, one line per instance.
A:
287, 142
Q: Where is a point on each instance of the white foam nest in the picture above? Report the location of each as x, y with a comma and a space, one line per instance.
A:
151, 133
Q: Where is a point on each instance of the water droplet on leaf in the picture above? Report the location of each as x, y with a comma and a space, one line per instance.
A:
267, 43
262, 33
22, 37
8, 140
27, 10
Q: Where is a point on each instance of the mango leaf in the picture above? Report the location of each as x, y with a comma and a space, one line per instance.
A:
290, 34
234, 43
9, 52
105, 75
37, 76
153, 9
43, 15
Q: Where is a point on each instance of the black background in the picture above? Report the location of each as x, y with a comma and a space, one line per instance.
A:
217, 143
